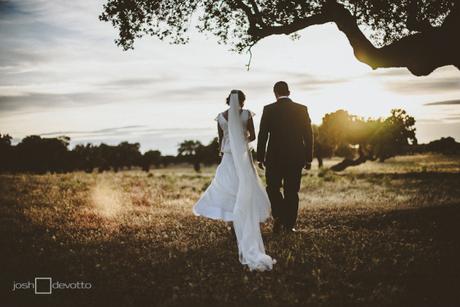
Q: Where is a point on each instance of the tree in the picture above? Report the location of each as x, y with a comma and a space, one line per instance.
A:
188, 151
321, 148
209, 154
444, 145
394, 135
6, 152
168, 160
421, 35
194, 152
188, 148
367, 139
149, 158
127, 155
84, 156
40, 155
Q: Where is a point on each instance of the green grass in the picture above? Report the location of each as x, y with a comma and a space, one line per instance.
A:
373, 235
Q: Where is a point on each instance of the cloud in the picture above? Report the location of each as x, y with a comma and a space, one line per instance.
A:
428, 121
310, 82
315, 84
20, 66
298, 80
443, 103
427, 132
136, 82
34, 100
137, 130
422, 85
166, 139
167, 144
8, 7
99, 132
197, 91
452, 117
11, 56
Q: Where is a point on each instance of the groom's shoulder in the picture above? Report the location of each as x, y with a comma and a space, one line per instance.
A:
269, 106
300, 106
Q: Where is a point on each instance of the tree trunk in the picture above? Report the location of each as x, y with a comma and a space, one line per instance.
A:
350, 162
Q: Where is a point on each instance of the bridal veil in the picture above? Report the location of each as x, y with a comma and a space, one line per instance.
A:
252, 204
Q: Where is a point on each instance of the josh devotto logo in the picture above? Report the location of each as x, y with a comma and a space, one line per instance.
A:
45, 285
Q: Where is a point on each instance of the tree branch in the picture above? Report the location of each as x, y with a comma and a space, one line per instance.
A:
256, 12
253, 19
421, 53
291, 28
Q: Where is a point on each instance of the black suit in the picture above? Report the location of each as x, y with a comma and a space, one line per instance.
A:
287, 127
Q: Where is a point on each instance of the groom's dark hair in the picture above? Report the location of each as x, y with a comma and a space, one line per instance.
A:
281, 88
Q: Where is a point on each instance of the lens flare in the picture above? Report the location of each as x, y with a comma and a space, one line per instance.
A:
107, 201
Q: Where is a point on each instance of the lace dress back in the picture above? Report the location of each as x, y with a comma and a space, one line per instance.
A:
223, 123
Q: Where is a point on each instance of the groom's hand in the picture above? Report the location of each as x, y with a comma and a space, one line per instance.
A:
261, 165
308, 166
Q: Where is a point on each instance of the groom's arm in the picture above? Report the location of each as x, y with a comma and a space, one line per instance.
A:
308, 138
262, 137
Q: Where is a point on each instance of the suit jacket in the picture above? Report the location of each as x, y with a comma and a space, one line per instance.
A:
287, 127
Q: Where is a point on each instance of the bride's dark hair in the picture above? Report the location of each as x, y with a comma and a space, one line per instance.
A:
241, 97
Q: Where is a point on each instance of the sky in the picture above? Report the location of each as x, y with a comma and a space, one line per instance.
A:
62, 74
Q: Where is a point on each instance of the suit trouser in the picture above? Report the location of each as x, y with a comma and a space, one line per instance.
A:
284, 208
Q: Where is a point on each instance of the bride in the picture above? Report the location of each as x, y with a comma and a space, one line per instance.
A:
236, 193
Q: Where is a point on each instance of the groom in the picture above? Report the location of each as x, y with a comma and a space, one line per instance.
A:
287, 127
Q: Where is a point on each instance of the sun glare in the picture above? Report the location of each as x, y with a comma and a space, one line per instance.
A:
106, 200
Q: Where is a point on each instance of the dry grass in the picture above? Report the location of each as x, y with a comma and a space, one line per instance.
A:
374, 235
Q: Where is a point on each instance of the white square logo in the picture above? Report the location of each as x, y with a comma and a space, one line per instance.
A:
42, 285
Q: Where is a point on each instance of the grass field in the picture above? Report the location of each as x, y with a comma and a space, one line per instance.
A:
374, 235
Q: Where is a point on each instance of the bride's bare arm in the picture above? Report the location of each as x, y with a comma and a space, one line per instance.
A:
250, 127
220, 133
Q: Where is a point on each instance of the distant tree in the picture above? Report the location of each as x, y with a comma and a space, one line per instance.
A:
188, 152
188, 148
6, 152
334, 126
421, 35
5, 140
105, 157
341, 134
209, 154
84, 157
446, 145
40, 155
127, 155
394, 135
196, 153
359, 140
322, 148
168, 160
149, 158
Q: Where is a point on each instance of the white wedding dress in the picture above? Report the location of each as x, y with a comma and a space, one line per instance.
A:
236, 193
